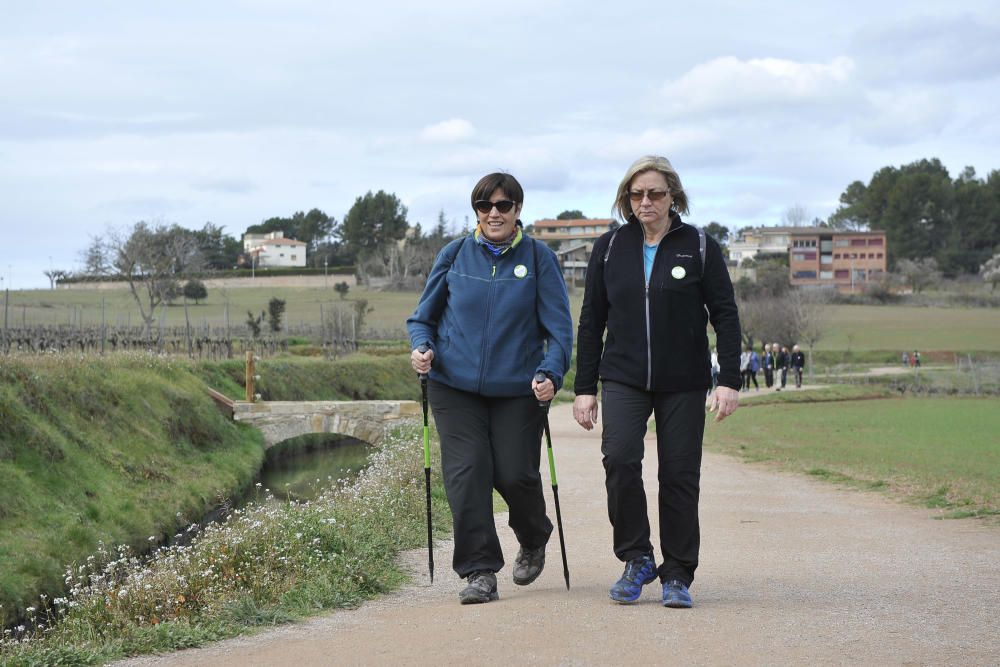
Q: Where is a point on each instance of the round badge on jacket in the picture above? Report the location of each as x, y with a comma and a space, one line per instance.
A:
678, 272
520, 271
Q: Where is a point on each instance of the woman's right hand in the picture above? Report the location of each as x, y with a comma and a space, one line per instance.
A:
421, 361
585, 411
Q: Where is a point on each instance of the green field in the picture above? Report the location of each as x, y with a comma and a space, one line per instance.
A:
943, 452
854, 328
63, 307
909, 328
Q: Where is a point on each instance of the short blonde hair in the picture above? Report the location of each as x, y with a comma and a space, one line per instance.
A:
623, 205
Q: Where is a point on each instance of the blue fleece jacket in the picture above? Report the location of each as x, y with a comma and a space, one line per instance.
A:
493, 322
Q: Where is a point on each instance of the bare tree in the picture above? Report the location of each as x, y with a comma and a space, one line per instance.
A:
795, 317
807, 311
152, 259
54, 276
920, 273
795, 215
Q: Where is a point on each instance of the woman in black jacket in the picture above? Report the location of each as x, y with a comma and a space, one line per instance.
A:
653, 285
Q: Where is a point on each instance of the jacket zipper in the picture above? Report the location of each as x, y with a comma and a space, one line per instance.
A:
649, 325
489, 314
649, 346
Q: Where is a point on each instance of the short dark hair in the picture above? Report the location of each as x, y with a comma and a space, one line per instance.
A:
489, 183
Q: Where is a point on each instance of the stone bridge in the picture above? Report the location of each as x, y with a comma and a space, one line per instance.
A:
281, 420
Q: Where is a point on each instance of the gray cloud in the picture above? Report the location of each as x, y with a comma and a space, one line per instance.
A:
930, 49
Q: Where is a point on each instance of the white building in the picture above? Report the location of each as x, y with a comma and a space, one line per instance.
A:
761, 241
273, 250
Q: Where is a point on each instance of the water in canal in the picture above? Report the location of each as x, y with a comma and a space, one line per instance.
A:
292, 468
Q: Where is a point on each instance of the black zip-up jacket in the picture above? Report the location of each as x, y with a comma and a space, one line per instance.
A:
657, 336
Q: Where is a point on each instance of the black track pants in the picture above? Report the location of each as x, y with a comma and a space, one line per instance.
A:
680, 425
487, 443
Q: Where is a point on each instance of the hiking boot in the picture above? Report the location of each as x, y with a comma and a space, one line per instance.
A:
528, 565
638, 572
482, 587
676, 595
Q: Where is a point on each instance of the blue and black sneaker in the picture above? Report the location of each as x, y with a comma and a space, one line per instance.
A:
638, 572
676, 595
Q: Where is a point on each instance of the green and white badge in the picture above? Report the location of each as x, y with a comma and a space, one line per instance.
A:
678, 272
520, 271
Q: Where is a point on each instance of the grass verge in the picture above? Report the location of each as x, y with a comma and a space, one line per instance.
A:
270, 563
938, 452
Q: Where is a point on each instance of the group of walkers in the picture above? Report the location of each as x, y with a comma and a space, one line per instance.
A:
494, 319
775, 360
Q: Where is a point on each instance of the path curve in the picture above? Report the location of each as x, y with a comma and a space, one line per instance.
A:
793, 571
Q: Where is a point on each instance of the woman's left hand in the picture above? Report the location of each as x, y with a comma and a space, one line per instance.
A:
544, 391
725, 401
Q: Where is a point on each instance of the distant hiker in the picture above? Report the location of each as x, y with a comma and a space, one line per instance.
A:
653, 285
768, 362
784, 359
494, 312
745, 369
798, 362
752, 371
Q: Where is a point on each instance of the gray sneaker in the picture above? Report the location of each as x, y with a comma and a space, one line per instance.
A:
528, 565
482, 587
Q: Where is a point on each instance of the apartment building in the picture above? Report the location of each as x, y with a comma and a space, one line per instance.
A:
847, 260
574, 239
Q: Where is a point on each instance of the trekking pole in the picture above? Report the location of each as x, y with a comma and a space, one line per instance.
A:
540, 377
427, 468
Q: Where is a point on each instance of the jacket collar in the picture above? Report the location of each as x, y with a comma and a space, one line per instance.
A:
675, 223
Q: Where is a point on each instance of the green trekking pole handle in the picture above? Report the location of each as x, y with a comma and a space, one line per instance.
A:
427, 468
544, 405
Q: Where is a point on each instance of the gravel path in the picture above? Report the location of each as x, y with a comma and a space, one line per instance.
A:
793, 571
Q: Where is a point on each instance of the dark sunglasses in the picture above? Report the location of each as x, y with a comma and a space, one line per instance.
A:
485, 206
654, 195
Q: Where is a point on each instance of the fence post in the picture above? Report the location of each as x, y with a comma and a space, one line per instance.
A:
104, 326
6, 304
249, 376
187, 329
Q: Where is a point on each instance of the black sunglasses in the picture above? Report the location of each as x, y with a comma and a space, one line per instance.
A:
485, 206
654, 195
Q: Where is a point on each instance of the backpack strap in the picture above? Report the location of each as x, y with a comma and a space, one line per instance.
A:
701, 246
607, 253
458, 247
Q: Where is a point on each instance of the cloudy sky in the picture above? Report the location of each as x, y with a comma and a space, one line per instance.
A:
236, 111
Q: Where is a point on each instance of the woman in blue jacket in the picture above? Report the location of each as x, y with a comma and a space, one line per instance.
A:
494, 313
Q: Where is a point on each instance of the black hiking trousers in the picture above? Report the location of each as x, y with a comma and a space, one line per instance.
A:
487, 443
680, 426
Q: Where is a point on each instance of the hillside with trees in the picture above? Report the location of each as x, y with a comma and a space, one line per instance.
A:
927, 214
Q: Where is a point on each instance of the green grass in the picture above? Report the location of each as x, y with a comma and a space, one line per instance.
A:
269, 563
109, 450
113, 449
940, 452
910, 328
100, 449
